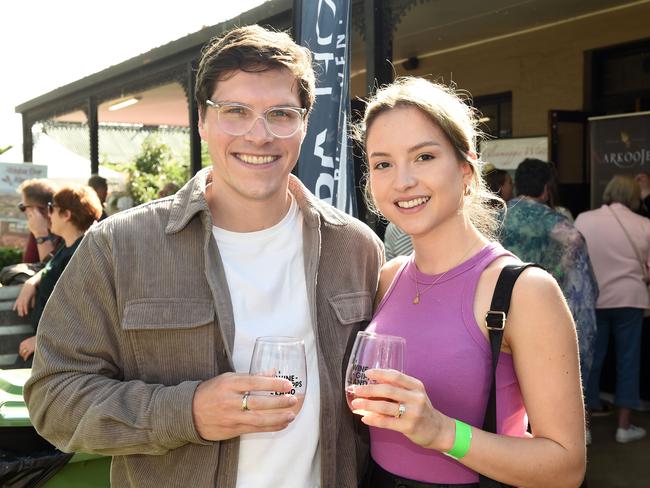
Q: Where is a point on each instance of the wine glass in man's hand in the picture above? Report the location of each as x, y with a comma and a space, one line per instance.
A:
282, 357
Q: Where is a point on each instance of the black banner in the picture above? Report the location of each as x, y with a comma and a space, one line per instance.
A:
620, 144
326, 166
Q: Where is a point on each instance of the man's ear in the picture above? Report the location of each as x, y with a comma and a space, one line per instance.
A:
201, 124
305, 125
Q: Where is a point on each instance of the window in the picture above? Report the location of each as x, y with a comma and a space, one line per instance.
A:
620, 78
496, 114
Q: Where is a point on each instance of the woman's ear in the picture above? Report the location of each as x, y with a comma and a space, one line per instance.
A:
67, 215
467, 168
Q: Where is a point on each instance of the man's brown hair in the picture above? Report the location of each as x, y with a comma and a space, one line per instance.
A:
254, 49
38, 191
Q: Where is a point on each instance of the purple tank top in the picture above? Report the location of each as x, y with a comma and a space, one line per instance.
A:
447, 351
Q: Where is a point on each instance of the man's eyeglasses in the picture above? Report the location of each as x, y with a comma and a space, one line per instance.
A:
22, 207
237, 119
50, 207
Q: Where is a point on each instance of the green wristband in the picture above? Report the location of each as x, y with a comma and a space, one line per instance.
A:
462, 440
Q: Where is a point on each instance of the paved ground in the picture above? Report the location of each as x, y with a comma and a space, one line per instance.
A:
613, 465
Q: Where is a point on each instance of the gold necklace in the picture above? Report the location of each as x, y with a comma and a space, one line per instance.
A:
418, 294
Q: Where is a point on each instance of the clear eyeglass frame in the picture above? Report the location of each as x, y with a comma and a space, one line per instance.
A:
298, 111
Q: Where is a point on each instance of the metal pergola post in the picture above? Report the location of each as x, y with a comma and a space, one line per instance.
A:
379, 44
195, 138
93, 133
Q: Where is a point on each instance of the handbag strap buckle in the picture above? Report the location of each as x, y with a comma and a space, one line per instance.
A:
495, 320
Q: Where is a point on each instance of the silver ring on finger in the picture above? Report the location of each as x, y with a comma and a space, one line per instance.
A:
244, 402
401, 410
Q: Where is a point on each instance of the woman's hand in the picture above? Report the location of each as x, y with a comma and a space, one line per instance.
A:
379, 405
26, 299
27, 347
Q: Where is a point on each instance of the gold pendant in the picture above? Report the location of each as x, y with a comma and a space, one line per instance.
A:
416, 299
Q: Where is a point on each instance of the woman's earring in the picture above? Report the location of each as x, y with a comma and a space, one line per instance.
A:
467, 191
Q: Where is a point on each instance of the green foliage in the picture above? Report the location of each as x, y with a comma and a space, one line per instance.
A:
206, 160
152, 168
10, 255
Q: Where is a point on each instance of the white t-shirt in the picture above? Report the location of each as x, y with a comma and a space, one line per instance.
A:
266, 278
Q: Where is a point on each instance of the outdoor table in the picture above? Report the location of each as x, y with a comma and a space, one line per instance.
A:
26, 457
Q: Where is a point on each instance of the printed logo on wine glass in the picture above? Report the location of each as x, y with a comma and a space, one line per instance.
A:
358, 376
295, 381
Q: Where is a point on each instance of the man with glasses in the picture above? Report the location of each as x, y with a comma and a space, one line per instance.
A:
41, 243
143, 353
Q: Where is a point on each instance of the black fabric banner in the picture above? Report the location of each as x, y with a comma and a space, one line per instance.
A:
620, 144
326, 166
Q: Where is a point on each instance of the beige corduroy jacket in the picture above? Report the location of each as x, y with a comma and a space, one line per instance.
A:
142, 315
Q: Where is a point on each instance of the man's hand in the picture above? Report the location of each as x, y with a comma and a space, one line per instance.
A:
38, 224
26, 299
217, 406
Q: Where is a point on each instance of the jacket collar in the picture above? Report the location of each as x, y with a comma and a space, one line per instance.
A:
190, 200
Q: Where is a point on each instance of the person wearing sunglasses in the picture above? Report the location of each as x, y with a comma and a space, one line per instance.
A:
72, 211
36, 193
145, 347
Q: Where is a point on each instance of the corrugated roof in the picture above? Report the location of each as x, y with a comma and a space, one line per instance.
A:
117, 143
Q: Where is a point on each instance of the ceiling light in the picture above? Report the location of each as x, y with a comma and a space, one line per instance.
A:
124, 103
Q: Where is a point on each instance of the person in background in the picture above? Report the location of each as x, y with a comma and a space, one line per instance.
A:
396, 242
145, 346
73, 209
498, 181
424, 176
41, 243
167, 190
536, 233
100, 185
619, 246
643, 180
554, 195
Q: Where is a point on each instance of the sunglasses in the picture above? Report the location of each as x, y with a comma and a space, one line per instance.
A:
22, 207
51, 206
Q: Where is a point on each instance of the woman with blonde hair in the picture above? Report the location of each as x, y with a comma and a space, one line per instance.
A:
426, 424
619, 248
72, 211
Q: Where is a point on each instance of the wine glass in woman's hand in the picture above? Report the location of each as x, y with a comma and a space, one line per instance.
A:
372, 351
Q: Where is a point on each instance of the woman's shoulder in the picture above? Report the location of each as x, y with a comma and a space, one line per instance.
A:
390, 268
534, 285
531, 277
388, 273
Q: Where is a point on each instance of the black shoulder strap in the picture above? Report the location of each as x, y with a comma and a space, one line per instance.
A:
495, 321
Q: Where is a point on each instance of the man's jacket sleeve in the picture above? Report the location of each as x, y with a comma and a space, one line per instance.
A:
77, 396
